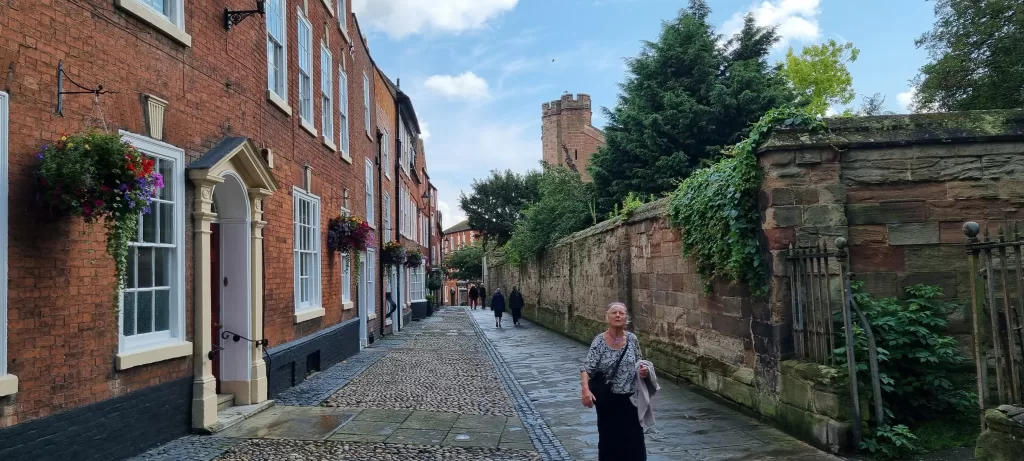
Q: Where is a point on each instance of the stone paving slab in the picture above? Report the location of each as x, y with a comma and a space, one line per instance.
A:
192, 448
278, 450
690, 426
301, 423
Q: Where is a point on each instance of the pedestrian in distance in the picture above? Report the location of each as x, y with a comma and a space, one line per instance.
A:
515, 304
483, 297
609, 379
473, 293
498, 306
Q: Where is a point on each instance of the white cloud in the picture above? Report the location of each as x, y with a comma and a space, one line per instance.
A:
401, 18
906, 98
797, 20
466, 86
449, 217
424, 132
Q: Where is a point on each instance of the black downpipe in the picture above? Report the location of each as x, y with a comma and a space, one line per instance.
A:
380, 234
397, 200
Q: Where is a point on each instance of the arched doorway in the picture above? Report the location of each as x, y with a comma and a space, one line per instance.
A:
230, 303
230, 183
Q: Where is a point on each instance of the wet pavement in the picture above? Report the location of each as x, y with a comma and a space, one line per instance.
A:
690, 426
452, 387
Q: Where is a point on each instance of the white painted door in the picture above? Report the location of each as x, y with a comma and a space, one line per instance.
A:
361, 287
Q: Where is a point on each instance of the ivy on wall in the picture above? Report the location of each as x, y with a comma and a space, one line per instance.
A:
716, 207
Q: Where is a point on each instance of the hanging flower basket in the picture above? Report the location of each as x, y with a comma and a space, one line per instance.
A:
413, 258
349, 234
392, 254
97, 176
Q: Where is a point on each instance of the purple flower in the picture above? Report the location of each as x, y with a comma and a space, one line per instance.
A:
39, 156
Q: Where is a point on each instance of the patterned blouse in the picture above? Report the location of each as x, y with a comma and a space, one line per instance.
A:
603, 357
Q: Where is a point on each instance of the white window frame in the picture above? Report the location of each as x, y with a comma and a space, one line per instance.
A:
8, 385
346, 279
343, 17
370, 280
366, 103
277, 91
406, 148
386, 203
385, 153
369, 194
314, 303
343, 119
175, 334
305, 80
170, 22
327, 95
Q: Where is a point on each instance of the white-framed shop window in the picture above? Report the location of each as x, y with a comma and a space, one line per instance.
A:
370, 279
369, 193
417, 284
277, 50
152, 311
4, 130
305, 49
326, 94
343, 112
306, 210
346, 278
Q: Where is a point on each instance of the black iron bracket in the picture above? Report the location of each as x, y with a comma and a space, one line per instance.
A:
232, 18
61, 75
214, 351
237, 337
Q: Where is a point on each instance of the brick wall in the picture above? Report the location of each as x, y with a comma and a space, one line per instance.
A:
567, 122
63, 326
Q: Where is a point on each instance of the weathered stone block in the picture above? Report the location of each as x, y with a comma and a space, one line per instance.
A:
860, 235
780, 238
738, 392
784, 216
832, 193
877, 258
824, 215
967, 210
810, 236
970, 190
887, 212
777, 158
939, 258
914, 233
1002, 166
879, 284
900, 191
795, 392
947, 281
828, 404
945, 169
876, 171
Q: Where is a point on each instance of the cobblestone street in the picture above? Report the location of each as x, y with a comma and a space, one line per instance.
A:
453, 387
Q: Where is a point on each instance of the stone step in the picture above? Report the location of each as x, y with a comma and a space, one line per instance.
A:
225, 401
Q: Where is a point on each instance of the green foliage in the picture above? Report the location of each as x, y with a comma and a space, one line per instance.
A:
497, 203
466, 263
918, 364
976, 55
434, 281
955, 431
716, 208
630, 204
819, 74
563, 208
685, 99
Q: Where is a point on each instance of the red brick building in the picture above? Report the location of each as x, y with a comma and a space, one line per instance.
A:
264, 131
454, 238
567, 135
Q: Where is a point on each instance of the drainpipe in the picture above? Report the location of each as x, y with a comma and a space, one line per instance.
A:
380, 234
397, 295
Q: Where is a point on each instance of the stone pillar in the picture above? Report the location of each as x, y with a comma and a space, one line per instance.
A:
258, 374
204, 385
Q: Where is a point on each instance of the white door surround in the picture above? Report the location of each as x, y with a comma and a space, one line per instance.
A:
242, 181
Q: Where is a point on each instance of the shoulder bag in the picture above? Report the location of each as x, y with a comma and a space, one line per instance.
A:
600, 384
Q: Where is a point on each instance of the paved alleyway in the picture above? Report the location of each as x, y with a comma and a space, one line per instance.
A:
439, 391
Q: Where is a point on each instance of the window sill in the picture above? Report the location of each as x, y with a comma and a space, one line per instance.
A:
327, 4
330, 145
368, 136
280, 103
371, 316
155, 20
8, 385
309, 314
346, 158
348, 305
344, 30
307, 126
126, 360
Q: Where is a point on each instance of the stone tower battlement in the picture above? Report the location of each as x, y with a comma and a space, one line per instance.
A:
579, 101
567, 136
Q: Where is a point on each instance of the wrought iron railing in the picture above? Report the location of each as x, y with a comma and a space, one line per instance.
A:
995, 264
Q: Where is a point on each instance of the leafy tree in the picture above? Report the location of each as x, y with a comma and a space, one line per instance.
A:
466, 263
497, 203
685, 99
977, 60
819, 74
873, 105
563, 208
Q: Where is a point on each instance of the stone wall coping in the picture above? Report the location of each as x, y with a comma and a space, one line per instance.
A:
997, 420
901, 130
647, 211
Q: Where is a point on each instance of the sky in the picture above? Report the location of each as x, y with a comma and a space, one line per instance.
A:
478, 70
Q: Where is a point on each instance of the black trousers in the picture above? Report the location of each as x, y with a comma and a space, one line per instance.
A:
516, 313
620, 436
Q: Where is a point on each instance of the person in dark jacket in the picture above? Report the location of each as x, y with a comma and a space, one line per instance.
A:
473, 293
483, 297
498, 306
515, 304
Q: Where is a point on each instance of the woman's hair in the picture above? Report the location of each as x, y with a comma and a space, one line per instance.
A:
616, 304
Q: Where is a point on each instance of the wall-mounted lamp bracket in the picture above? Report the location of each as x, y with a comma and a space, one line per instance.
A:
232, 18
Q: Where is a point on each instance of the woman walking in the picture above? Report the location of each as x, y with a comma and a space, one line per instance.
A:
472, 296
515, 304
498, 306
609, 379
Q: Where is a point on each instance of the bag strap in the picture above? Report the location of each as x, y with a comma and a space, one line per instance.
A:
623, 354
